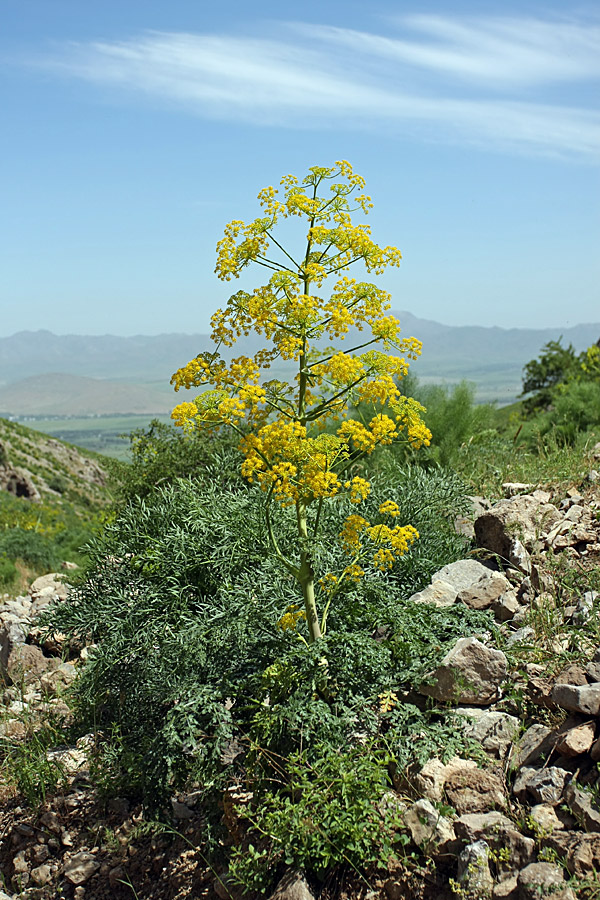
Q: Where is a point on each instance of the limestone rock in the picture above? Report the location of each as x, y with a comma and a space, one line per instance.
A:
26, 663
41, 874
293, 886
463, 574
472, 827
473, 873
13, 631
55, 682
80, 867
474, 790
580, 851
580, 804
429, 829
536, 742
469, 673
431, 780
506, 890
522, 519
578, 698
543, 880
506, 607
576, 740
544, 785
545, 818
488, 590
439, 593
494, 731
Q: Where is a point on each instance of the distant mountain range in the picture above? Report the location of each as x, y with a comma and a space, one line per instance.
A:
46, 374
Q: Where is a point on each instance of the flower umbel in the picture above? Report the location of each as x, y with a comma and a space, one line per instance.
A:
298, 438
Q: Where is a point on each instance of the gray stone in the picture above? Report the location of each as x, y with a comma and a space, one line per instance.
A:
429, 829
55, 682
519, 787
474, 790
293, 886
524, 635
80, 867
180, 810
576, 740
473, 872
520, 520
593, 671
545, 818
27, 663
49, 586
41, 874
544, 785
463, 574
431, 780
537, 742
494, 731
578, 698
506, 607
12, 633
486, 591
469, 673
439, 593
541, 880
474, 826
580, 804
506, 890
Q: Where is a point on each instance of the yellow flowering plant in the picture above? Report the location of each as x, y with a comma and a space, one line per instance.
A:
299, 440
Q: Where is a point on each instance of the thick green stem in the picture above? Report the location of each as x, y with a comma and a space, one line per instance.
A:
306, 576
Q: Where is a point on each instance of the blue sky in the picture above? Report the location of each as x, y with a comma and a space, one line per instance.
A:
134, 131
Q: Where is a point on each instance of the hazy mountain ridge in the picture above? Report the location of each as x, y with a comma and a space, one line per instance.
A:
59, 394
131, 374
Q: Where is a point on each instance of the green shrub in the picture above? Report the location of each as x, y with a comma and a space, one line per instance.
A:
184, 602
28, 765
575, 408
36, 549
161, 453
453, 418
327, 812
8, 571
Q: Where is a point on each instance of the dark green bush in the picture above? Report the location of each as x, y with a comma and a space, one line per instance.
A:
38, 550
8, 571
453, 418
575, 408
183, 602
162, 453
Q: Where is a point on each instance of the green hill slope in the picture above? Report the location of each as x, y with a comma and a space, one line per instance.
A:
51, 495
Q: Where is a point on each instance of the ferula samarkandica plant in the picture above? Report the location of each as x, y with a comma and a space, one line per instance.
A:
298, 439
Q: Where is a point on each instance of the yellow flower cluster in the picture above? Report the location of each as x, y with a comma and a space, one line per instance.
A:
184, 414
389, 508
281, 458
285, 440
396, 540
330, 582
408, 416
359, 489
381, 430
291, 617
590, 363
351, 532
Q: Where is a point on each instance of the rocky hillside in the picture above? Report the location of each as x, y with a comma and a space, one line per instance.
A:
517, 817
36, 467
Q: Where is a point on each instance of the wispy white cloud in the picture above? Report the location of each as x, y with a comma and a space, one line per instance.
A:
464, 81
490, 52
